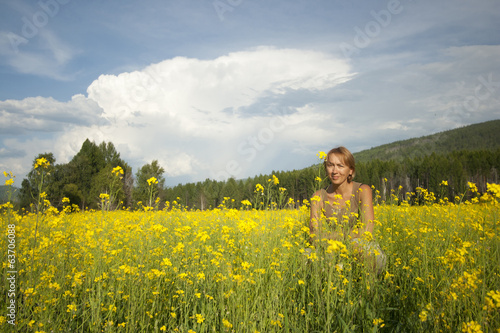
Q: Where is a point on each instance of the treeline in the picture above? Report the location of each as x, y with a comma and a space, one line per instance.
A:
456, 168
93, 171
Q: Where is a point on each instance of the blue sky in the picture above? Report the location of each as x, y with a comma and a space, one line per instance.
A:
213, 89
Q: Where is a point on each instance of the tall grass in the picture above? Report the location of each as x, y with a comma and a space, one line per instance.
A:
228, 270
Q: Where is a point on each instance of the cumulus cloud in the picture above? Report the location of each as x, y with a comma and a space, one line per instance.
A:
205, 87
203, 114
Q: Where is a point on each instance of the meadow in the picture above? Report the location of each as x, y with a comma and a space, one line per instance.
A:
250, 270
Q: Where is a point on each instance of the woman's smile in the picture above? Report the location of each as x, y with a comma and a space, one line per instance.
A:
336, 169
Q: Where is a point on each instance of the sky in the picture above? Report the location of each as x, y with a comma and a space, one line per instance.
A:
237, 88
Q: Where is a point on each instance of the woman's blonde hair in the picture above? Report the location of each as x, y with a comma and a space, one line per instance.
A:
346, 156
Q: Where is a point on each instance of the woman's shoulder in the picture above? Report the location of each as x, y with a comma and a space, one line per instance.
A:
361, 191
365, 192
361, 186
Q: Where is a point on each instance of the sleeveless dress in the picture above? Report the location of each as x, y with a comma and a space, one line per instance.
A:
346, 217
344, 220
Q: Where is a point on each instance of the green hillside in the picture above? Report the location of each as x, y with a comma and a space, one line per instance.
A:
4, 195
481, 136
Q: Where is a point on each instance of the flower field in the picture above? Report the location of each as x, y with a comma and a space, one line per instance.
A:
228, 270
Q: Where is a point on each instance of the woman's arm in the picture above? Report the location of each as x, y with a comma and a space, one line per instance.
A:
366, 210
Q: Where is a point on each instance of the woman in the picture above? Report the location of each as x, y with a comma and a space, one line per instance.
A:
347, 208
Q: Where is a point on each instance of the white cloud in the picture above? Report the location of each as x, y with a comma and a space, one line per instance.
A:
198, 115
41, 114
182, 87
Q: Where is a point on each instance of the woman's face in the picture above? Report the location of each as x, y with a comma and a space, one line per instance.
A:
336, 169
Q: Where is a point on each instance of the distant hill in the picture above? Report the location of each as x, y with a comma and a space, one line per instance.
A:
4, 195
481, 136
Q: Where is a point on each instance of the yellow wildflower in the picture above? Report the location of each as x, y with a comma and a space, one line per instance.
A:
423, 315
226, 323
378, 322
199, 318
321, 155
152, 181
117, 171
42, 162
471, 327
472, 187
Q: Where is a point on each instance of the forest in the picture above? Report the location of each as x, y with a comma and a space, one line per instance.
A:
393, 175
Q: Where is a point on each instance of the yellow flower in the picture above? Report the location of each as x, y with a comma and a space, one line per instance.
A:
11, 177
492, 300
471, 327
472, 187
42, 162
117, 171
494, 189
54, 285
378, 322
166, 262
423, 315
199, 318
152, 180
226, 323
245, 265
367, 236
321, 155
335, 246
316, 198
246, 203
